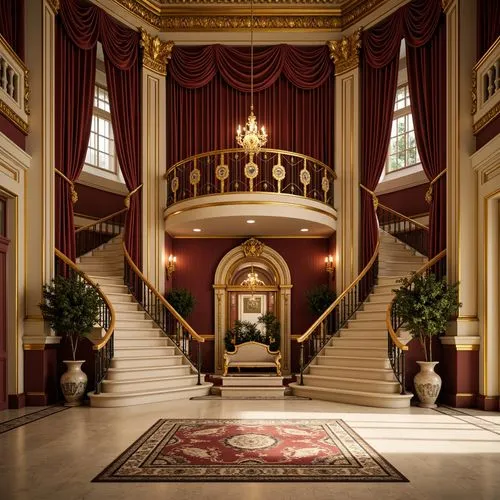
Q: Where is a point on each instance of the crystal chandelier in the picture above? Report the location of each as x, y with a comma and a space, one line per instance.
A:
251, 282
250, 138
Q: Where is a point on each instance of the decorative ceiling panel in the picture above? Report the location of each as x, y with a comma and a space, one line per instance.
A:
234, 15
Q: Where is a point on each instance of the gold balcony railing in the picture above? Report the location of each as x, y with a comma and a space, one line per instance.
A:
232, 171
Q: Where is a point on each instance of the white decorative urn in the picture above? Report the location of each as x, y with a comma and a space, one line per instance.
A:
73, 383
427, 384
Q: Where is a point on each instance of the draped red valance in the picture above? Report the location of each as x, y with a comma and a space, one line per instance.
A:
86, 24
304, 67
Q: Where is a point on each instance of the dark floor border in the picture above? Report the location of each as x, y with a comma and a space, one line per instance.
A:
474, 420
16, 422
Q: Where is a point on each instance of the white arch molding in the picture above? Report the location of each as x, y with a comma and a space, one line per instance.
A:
222, 279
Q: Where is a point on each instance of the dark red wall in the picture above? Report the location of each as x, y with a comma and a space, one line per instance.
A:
197, 260
410, 201
97, 203
12, 132
487, 133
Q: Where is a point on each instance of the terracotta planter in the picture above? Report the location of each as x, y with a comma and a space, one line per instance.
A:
73, 383
427, 384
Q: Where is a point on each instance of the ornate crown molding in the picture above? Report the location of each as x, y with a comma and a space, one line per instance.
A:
14, 118
55, 5
156, 52
487, 118
252, 247
345, 52
233, 15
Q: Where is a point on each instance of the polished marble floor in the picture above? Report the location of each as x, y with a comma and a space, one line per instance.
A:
445, 455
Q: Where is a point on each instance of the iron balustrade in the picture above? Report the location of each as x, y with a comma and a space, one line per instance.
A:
104, 350
96, 234
170, 322
233, 171
395, 348
403, 228
329, 324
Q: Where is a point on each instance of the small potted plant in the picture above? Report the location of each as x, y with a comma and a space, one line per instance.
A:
72, 308
425, 304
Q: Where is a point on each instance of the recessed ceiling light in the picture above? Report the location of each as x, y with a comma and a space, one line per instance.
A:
304, 229
197, 230
250, 221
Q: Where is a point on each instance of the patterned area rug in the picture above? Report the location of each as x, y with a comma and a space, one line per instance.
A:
250, 450
8, 425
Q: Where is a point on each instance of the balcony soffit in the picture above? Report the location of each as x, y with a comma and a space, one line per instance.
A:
234, 15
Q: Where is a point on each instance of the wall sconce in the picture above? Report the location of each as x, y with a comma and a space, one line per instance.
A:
172, 260
329, 264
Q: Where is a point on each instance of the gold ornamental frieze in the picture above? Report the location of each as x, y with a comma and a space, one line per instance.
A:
345, 52
156, 52
252, 247
234, 15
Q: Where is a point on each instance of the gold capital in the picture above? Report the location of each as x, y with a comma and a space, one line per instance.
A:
345, 52
156, 52
55, 5
446, 4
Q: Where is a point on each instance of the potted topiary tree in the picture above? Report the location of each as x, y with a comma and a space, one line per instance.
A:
319, 299
183, 301
72, 308
424, 305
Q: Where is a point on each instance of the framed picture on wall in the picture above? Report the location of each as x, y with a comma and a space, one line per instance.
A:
252, 305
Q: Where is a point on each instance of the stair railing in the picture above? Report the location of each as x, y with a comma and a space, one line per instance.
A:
338, 314
396, 349
104, 349
173, 325
97, 233
403, 228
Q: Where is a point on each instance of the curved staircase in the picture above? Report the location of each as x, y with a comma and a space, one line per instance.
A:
354, 366
147, 366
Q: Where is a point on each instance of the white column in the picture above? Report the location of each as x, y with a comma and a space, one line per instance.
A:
347, 132
40, 59
154, 157
461, 180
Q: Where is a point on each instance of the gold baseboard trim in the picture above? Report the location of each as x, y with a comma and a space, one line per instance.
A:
462, 347
34, 347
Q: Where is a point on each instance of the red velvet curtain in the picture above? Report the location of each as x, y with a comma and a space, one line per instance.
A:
488, 25
12, 24
84, 24
208, 95
379, 75
426, 63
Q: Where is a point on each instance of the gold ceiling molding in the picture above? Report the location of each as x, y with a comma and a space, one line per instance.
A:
345, 52
55, 5
233, 15
156, 52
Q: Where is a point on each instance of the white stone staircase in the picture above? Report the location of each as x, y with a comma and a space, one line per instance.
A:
147, 367
354, 367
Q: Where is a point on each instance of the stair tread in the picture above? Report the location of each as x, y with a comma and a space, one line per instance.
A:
353, 368
147, 368
351, 392
350, 379
203, 385
350, 357
128, 358
150, 379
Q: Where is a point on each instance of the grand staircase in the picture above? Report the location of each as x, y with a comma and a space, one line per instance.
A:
354, 366
147, 366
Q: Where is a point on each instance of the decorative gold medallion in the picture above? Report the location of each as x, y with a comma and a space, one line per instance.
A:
222, 172
252, 247
279, 172
305, 177
325, 184
195, 176
174, 185
251, 170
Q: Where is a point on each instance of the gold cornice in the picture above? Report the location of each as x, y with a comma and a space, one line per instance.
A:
156, 53
345, 52
487, 118
14, 118
233, 15
55, 5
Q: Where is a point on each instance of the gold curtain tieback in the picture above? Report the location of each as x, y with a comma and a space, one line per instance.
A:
126, 201
74, 194
372, 194
428, 194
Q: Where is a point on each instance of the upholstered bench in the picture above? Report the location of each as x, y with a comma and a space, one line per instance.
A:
252, 355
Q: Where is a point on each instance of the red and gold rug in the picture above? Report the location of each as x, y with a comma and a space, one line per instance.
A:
250, 450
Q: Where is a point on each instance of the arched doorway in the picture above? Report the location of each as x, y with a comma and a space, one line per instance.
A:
236, 301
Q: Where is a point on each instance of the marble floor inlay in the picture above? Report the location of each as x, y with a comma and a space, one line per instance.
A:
13, 423
446, 454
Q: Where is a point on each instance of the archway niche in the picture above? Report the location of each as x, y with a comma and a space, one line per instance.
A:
231, 271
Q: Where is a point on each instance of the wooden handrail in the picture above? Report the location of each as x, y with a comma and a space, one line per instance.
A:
322, 318
70, 263
100, 221
422, 226
239, 150
176, 315
388, 320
